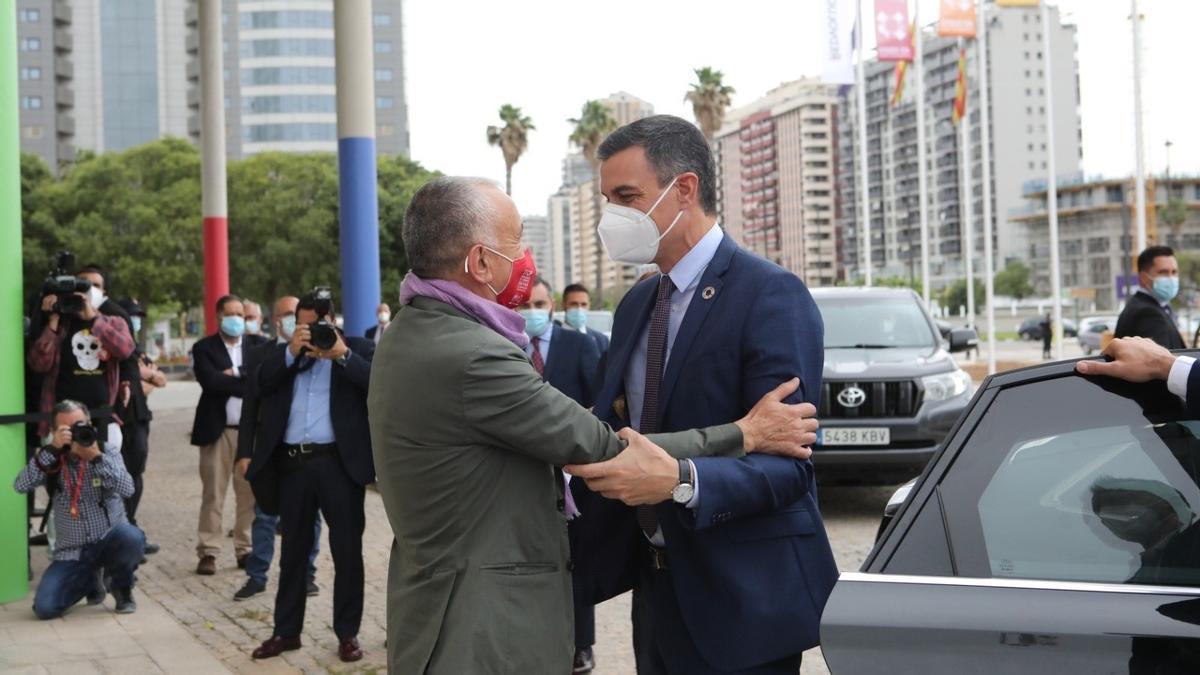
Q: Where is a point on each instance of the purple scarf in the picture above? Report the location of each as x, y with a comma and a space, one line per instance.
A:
497, 317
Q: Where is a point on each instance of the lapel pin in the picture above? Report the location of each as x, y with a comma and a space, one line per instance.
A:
708, 292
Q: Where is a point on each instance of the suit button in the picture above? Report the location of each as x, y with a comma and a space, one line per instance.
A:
562, 505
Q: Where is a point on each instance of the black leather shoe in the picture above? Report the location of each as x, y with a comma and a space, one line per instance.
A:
349, 650
584, 661
249, 590
125, 602
151, 549
313, 588
276, 646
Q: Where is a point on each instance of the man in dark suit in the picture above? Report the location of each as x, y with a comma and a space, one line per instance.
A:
568, 361
1139, 359
383, 314
1148, 311
732, 568
577, 302
219, 360
312, 451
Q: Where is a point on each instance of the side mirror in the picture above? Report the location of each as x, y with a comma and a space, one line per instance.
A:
893, 506
963, 339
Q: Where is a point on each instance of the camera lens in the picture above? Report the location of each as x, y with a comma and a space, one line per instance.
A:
323, 335
83, 433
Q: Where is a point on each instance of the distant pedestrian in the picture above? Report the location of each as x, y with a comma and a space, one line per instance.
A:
1047, 326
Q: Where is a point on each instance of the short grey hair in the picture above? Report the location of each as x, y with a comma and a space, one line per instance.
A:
68, 406
446, 216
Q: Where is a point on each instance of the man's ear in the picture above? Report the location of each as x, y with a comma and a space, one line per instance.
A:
688, 185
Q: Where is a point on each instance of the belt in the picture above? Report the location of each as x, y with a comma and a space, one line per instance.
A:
658, 559
307, 451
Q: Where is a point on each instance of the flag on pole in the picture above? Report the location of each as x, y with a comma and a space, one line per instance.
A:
837, 52
960, 87
901, 70
957, 19
891, 30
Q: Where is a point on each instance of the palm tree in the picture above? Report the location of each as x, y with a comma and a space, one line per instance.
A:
709, 98
592, 126
513, 138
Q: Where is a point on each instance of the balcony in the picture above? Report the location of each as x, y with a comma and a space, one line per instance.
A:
64, 96
66, 124
192, 43
191, 15
63, 16
64, 69
66, 152
63, 41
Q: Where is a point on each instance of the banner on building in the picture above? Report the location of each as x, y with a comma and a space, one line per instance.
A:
891, 30
1017, 3
957, 19
960, 88
900, 72
837, 52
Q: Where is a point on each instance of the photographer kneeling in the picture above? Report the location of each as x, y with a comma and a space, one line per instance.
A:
95, 542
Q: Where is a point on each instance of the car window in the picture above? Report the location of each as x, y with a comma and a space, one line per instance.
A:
1105, 489
888, 322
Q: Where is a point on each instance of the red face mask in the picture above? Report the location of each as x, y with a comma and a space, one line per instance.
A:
520, 281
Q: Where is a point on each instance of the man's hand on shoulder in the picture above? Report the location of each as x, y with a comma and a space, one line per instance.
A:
643, 473
777, 428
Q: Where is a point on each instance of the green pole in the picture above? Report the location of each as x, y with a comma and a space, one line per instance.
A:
14, 535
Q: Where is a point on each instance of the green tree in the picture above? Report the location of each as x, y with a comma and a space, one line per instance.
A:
594, 124
1175, 215
1013, 281
955, 295
888, 282
513, 138
710, 97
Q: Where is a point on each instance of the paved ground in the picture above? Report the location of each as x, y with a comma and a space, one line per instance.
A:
204, 613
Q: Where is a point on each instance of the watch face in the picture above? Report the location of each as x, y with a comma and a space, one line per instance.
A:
682, 493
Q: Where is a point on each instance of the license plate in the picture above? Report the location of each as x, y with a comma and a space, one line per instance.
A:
854, 436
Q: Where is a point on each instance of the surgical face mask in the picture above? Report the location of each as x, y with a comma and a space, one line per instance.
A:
630, 236
520, 279
577, 318
96, 296
384, 317
233, 326
536, 321
253, 326
137, 324
287, 326
1166, 288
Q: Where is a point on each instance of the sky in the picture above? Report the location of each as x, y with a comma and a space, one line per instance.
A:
466, 58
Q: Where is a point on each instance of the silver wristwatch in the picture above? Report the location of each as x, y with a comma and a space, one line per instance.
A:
682, 494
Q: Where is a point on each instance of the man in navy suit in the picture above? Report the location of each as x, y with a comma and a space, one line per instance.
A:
568, 360
732, 568
1139, 359
577, 302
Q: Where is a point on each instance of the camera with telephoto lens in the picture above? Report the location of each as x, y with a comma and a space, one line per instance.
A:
83, 434
63, 284
323, 333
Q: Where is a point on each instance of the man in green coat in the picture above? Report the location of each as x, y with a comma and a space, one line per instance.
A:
466, 437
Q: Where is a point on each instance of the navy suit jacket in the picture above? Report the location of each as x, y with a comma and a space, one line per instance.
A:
347, 410
751, 565
571, 365
211, 361
600, 339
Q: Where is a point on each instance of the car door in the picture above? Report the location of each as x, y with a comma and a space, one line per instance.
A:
1057, 532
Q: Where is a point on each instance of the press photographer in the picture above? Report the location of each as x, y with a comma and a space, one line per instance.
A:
94, 539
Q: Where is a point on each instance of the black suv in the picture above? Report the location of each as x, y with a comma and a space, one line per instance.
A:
891, 390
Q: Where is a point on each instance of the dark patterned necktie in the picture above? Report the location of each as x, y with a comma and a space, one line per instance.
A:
538, 364
656, 356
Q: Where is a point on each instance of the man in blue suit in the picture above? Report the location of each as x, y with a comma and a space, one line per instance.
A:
731, 570
1139, 359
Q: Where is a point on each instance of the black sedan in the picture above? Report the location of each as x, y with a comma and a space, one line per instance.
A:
1031, 329
1057, 531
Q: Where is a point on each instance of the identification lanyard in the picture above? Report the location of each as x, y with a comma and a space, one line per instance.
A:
77, 490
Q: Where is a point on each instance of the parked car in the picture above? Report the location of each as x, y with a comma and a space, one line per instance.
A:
1055, 532
891, 389
1091, 330
1031, 329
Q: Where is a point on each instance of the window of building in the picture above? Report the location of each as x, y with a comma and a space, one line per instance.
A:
289, 75
1097, 245
30, 16
383, 46
385, 102
33, 131
31, 102
309, 131
287, 19
382, 19
31, 73
1039, 56
289, 103
386, 130
30, 44
287, 47
383, 74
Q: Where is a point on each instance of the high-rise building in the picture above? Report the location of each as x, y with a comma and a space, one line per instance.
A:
47, 73
280, 86
776, 164
536, 235
1018, 100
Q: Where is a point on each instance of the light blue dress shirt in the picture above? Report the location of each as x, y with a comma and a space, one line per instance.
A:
543, 344
308, 419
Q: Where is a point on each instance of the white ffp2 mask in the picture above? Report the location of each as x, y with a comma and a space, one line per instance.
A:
630, 236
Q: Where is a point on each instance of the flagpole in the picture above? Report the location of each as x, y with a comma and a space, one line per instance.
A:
864, 183
922, 181
964, 197
1140, 150
1052, 185
985, 141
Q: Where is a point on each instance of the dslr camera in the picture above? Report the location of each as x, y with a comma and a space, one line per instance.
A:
323, 333
83, 434
63, 284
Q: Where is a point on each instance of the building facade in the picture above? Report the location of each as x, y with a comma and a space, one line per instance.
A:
280, 82
1096, 230
46, 73
1019, 153
777, 178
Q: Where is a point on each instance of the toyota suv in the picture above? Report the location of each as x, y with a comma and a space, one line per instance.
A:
891, 389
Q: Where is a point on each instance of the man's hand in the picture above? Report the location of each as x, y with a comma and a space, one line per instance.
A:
62, 437
777, 428
300, 340
1136, 359
642, 473
243, 465
126, 393
88, 312
48, 302
86, 454
335, 352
